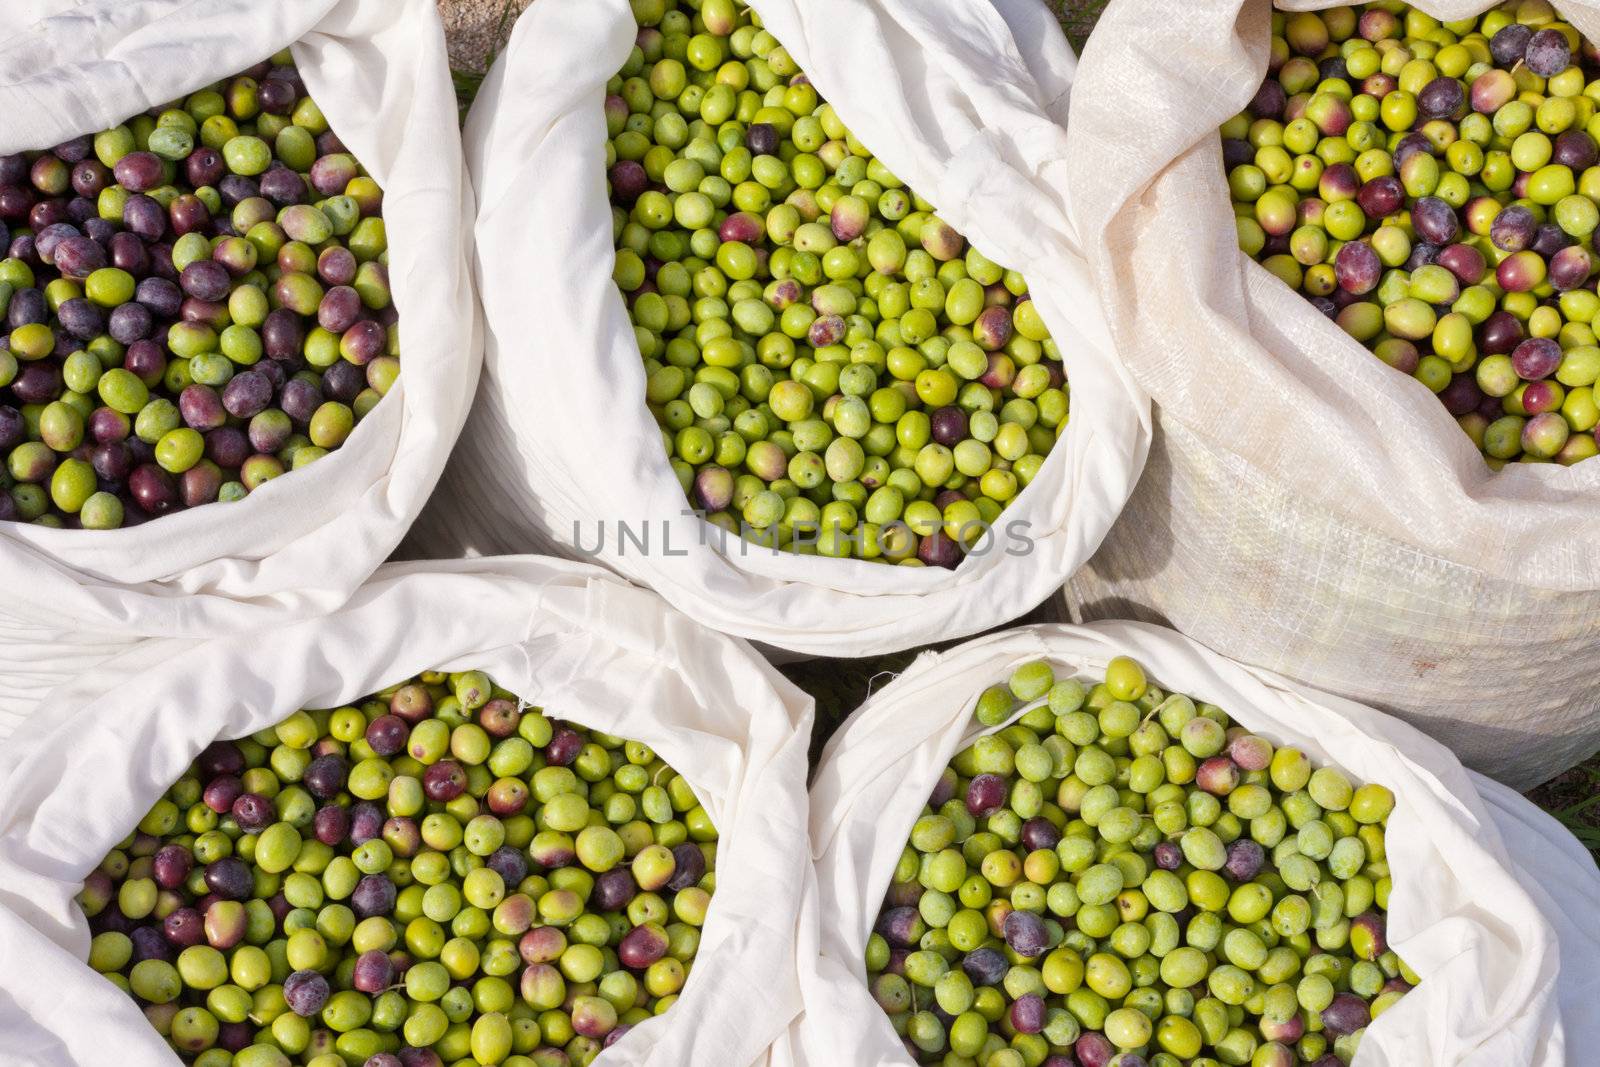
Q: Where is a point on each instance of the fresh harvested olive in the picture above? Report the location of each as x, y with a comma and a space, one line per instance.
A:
1125, 877
194, 302
1432, 188
438, 874
833, 368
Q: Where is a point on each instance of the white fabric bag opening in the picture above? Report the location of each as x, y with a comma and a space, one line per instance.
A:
1306, 508
565, 636
1493, 904
965, 103
302, 543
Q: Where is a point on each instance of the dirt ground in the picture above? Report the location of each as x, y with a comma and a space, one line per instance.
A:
476, 29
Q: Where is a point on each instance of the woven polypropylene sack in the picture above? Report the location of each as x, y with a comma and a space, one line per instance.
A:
1494, 905
565, 636
302, 543
966, 102
1307, 509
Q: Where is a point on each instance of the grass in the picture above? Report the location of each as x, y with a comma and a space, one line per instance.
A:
1574, 799
840, 686
1077, 18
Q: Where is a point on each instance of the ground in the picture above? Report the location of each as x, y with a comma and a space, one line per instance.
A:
478, 28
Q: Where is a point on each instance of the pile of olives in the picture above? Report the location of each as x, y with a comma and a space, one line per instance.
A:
436, 876
833, 368
1124, 877
1433, 188
195, 302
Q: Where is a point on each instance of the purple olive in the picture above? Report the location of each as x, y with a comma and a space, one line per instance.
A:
1549, 239
761, 138
331, 825
325, 776
1358, 268
283, 186
1026, 933
333, 172
1381, 197
628, 181
1028, 1013
1268, 103
305, 992
939, 550
1093, 1050
366, 822
985, 966
986, 793
444, 781
79, 257
300, 400
901, 926
229, 878
373, 895
642, 946
184, 928
613, 889
339, 309
139, 172
564, 746
1245, 859
171, 866
1464, 261
221, 792
205, 279
130, 322
364, 342
84, 320
283, 335
373, 972
1536, 358
188, 214
1510, 44
689, 866
1570, 268
512, 866
227, 447
201, 407
1435, 221
1040, 833
1347, 1014
1442, 98
1513, 228
28, 306
387, 734
1462, 395
90, 177
253, 812
1548, 53
150, 943
1500, 333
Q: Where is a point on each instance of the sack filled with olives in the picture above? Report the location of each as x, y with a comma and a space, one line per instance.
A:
237, 331
1347, 249
795, 334
511, 813
1106, 846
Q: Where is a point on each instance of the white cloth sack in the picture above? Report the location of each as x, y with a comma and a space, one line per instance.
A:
303, 543
1494, 904
565, 636
1305, 507
969, 108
